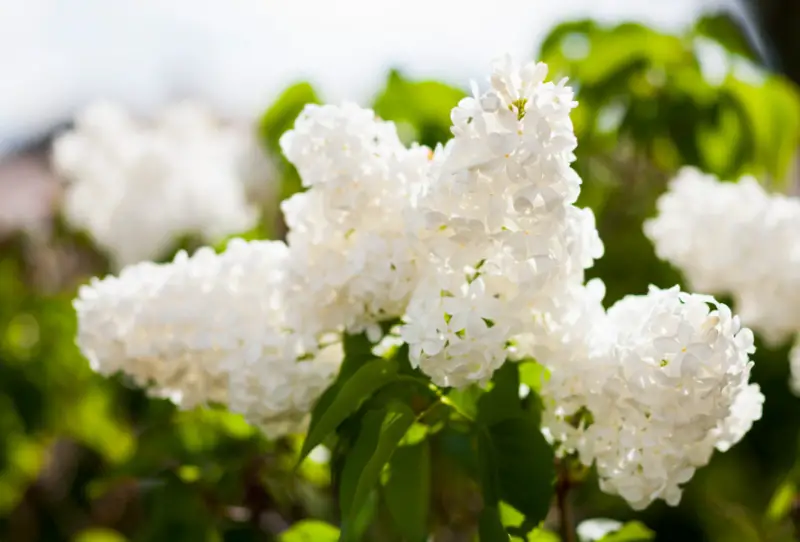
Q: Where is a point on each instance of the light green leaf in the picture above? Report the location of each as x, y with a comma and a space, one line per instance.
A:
349, 397
465, 400
781, 503
424, 106
543, 535
408, 490
533, 375
281, 115
633, 531
99, 535
310, 531
513, 521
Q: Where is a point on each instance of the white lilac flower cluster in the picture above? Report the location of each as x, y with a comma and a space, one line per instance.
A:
739, 240
653, 387
477, 247
135, 187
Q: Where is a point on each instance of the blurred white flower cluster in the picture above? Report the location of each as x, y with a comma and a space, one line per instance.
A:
480, 251
739, 240
136, 187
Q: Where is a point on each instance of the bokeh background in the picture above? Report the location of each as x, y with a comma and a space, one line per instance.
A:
660, 85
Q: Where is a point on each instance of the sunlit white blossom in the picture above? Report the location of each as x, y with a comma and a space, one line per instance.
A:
496, 226
653, 398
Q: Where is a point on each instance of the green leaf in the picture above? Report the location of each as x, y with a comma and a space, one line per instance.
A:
772, 110
524, 466
310, 530
490, 526
357, 352
465, 400
723, 29
408, 491
423, 106
542, 535
781, 503
502, 401
380, 434
281, 116
533, 374
354, 461
349, 397
633, 531
99, 535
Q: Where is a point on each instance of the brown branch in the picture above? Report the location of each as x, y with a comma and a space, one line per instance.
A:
566, 523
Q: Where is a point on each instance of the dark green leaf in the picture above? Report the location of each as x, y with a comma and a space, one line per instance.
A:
502, 401
524, 464
381, 432
354, 462
722, 28
357, 351
310, 530
490, 527
487, 466
349, 397
408, 490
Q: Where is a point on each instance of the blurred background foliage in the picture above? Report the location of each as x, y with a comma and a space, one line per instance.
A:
94, 460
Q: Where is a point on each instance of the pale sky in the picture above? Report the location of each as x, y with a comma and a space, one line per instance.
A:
57, 55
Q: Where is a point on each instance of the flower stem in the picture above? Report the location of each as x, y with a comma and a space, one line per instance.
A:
565, 514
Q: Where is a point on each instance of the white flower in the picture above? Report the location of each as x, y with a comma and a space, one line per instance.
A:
457, 330
351, 262
276, 391
137, 187
496, 227
734, 238
665, 387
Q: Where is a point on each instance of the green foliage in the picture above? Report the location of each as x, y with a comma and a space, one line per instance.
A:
281, 115
408, 490
379, 436
658, 97
525, 466
634, 531
310, 531
275, 122
421, 109
350, 396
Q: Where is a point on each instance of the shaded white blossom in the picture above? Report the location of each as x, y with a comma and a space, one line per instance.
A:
136, 187
736, 239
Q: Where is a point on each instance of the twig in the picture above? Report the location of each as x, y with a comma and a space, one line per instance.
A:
565, 514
